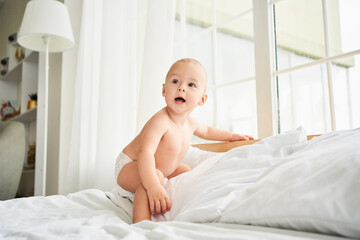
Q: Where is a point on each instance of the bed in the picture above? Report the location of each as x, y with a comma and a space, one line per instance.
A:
282, 187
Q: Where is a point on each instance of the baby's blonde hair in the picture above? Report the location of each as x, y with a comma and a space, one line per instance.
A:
189, 60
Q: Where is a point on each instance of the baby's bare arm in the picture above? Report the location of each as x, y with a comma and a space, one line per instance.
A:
212, 133
149, 139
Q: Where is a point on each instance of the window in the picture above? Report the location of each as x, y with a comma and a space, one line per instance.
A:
317, 64
312, 62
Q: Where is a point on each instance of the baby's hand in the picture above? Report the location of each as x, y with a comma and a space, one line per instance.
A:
158, 199
239, 137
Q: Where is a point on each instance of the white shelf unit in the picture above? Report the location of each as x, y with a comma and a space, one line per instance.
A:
16, 85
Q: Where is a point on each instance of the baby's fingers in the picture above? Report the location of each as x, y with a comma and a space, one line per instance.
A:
243, 138
250, 137
152, 206
163, 206
168, 204
158, 207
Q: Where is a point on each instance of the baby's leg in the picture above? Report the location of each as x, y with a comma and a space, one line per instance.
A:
181, 169
141, 208
129, 178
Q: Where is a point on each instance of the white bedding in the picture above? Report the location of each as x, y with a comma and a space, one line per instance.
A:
89, 214
281, 182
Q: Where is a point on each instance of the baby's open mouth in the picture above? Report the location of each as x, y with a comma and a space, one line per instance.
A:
179, 100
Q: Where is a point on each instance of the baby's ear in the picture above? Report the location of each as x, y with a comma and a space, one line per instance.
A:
203, 99
163, 90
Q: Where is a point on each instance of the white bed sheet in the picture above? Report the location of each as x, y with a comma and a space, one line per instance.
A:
90, 214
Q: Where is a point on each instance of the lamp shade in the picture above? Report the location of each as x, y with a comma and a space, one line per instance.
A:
46, 18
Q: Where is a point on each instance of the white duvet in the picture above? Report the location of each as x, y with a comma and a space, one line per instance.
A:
89, 214
282, 181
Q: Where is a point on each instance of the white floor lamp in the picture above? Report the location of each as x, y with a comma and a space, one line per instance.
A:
46, 28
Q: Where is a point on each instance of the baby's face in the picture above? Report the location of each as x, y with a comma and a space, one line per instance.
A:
185, 86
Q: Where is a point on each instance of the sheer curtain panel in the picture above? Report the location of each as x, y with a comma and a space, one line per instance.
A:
120, 58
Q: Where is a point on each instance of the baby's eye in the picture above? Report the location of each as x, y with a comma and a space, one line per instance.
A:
175, 81
191, 85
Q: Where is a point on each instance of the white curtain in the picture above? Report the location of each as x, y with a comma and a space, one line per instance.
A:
124, 52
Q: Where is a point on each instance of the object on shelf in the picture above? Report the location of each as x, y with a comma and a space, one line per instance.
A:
33, 101
15, 52
19, 54
31, 154
5, 61
5, 66
8, 111
12, 38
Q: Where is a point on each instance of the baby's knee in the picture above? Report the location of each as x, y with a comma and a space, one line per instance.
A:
185, 168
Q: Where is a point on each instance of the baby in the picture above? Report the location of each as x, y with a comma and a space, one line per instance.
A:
157, 152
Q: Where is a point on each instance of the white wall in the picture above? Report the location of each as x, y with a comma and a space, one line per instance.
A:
10, 20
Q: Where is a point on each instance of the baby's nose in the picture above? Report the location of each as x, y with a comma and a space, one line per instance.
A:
181, 89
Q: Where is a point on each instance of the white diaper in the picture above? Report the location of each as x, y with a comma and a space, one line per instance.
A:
121, 161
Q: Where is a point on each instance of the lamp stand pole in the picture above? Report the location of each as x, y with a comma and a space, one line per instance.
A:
46, 94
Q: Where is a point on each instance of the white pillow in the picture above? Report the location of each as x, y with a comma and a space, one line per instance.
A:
312, 186
315, 189
197, 194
